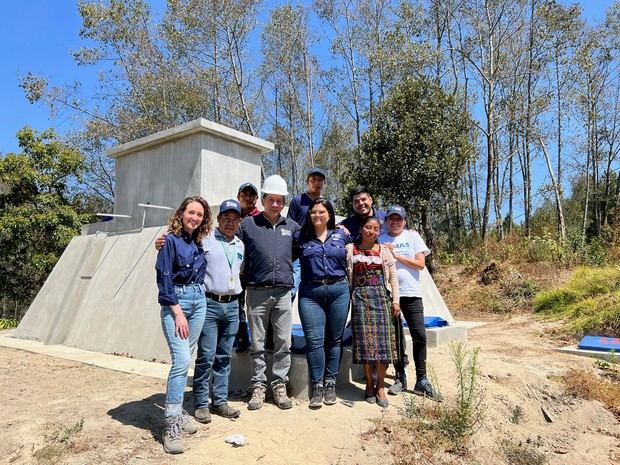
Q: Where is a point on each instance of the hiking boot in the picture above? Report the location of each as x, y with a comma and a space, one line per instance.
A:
280, 396
173, 444
225, 411
316, 401
202, 415
423, 387
258, 397
188, 425
398, 386
329, 393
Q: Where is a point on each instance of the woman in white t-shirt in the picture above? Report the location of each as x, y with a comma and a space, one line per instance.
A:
409, 251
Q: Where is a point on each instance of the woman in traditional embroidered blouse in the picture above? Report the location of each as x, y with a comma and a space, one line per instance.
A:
375, 299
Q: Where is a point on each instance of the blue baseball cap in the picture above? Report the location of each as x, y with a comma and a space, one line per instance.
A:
396, 210
316, 170
228, 205
247, 185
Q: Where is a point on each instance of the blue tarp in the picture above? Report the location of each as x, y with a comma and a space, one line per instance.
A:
602, 343
431, 322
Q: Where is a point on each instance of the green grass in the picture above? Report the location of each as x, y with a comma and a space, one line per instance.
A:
589, 303
8, 323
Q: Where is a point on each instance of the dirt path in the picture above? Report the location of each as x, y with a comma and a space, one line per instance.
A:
45, 400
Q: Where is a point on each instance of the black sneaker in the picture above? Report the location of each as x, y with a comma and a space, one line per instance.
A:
423, 387
316, 401
329, 394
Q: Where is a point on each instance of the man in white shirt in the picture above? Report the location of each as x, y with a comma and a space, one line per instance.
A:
224, 252
409, 251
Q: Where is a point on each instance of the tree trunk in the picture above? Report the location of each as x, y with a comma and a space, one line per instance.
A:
429, 236
558, 194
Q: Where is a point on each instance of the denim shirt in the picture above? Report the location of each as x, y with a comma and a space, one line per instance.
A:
180, 261
327, 259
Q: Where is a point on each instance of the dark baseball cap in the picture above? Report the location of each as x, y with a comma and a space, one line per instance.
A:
316, 170
229, 205
396, 210
248, 185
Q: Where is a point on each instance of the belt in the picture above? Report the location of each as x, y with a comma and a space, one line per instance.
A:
222, 298
326, 280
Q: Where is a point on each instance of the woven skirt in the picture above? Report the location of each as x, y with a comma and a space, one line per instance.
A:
374, 339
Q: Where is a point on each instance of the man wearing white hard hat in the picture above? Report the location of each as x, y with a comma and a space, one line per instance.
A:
269, 238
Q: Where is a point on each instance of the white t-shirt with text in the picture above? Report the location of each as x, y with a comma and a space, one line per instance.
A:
408, 243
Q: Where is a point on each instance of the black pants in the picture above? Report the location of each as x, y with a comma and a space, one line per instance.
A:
413, 311
242, 338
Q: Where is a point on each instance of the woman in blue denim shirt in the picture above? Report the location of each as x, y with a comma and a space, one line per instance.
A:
323, 298
181, 269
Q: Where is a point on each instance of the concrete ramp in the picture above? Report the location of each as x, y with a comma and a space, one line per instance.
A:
434, 304
102, 296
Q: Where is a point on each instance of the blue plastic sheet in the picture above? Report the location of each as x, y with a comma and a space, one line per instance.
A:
602, 343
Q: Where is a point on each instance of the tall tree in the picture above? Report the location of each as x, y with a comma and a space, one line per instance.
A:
417, 148
39, 211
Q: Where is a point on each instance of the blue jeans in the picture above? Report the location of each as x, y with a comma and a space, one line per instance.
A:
192, 301
214, 353
323, 310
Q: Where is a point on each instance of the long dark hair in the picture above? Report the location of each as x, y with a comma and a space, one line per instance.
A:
363, 222
307, 230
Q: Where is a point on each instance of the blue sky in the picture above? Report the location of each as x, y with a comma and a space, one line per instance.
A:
38, 35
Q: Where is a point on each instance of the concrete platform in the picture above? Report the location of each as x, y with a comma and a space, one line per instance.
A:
436, 337
589, 353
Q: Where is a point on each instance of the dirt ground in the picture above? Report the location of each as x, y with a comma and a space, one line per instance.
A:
63, 412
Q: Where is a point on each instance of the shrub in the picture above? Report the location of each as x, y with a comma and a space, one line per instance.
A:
460, 419
522, 454
587, 385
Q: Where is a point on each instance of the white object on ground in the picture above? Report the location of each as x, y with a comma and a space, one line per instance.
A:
237, 440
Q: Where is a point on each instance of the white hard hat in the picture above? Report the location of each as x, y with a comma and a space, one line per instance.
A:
274, 185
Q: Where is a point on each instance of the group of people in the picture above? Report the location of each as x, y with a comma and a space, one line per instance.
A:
261, 261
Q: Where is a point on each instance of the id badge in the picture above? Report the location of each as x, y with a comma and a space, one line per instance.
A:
231, 283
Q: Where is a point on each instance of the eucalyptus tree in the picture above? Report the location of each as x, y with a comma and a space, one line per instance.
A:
491, 26
595, 66
290, 70
211, 39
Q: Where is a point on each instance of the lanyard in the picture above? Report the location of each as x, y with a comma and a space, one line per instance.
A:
229, 251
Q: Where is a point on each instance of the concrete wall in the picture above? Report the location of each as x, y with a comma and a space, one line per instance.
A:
196, 158
161, 175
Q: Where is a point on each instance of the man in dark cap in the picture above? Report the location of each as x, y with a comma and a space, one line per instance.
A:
247, 197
